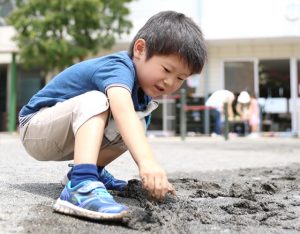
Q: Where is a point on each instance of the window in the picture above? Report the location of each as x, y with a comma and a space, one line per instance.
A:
274, 78
239, 76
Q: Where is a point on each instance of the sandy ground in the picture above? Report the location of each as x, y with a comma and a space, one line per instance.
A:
238, 186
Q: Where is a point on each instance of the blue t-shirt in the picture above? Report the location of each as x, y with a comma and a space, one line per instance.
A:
93, 74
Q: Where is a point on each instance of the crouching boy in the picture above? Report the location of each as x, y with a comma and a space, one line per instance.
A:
95, 110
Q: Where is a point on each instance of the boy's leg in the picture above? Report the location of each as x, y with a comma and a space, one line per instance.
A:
106, 156
112, 147
88, 139
109, 154
50, 135
84, 195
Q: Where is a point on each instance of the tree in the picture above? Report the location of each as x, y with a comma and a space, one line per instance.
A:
54, 34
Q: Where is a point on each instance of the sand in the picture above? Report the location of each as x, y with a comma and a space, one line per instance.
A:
238, 186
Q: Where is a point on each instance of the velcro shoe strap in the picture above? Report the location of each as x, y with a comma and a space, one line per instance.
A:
91, 186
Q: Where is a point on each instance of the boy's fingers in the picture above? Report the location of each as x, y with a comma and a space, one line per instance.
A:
157, 188
148, 184
165, 188
145, 182
171, 189
173, 192
143, 178
160, 188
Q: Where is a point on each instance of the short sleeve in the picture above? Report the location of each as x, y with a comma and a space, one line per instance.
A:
115, 72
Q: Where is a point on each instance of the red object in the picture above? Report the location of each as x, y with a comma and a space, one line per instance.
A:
197, 108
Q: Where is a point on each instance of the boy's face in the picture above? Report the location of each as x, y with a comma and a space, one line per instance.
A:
161, 74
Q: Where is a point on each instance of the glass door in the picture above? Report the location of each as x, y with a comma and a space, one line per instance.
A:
275, 93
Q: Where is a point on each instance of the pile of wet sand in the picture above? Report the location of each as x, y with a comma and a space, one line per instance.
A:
250, 200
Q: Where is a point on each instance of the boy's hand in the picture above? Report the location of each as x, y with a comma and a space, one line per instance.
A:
153, 176
155, 180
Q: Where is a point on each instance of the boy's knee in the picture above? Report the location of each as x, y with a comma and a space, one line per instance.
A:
89, 104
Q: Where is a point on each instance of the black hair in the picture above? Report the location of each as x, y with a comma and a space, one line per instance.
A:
234, 104
170, 32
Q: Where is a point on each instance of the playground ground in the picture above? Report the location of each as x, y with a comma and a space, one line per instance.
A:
243, 185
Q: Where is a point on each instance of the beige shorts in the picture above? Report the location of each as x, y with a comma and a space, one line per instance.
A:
50, 134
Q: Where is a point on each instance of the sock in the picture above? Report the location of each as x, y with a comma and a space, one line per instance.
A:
83, 172
100, 170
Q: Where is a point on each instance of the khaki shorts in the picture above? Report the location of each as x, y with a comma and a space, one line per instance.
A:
50, 134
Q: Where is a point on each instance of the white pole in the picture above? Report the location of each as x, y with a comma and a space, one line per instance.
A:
294, 95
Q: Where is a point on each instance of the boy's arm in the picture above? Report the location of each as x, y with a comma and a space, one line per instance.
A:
152, 174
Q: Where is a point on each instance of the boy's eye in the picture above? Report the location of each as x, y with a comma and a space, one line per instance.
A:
166, 69
179, 78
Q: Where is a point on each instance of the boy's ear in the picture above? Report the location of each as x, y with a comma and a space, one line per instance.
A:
139, 48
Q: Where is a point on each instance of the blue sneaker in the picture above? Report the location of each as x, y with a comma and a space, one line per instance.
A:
109, 181
89, 199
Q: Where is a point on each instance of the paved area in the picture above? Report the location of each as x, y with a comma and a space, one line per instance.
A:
28, 188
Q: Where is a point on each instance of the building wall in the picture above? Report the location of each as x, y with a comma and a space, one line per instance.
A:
142, 10
263, 50
250, 18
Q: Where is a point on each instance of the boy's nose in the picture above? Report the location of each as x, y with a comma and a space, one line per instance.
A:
168, 81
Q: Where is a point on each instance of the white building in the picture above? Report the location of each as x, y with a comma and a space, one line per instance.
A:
253, 45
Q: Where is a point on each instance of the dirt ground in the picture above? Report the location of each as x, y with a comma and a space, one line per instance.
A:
239, 186
248, 200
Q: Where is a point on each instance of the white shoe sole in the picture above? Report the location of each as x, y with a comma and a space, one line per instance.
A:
65, 207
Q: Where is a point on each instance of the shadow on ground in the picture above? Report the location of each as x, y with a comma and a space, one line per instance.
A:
49, 190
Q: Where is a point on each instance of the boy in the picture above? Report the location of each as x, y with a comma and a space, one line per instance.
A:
80, 113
